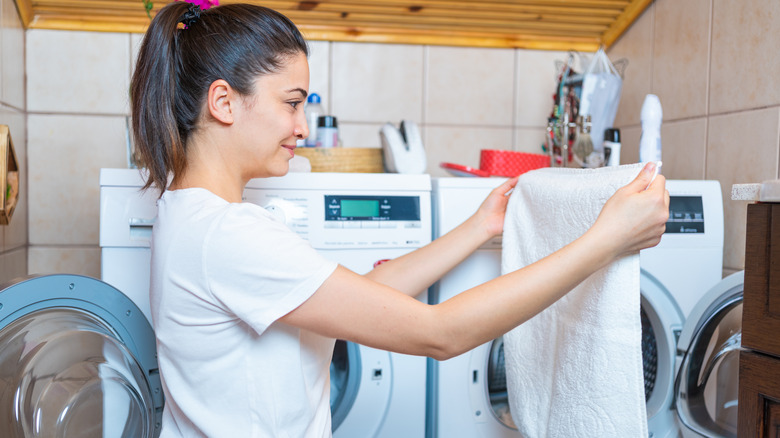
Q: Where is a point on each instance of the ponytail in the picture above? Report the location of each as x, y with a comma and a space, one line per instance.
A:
181, 54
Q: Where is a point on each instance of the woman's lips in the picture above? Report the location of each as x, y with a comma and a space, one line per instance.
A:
290, 148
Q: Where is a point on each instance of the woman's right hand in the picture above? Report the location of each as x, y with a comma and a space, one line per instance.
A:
634, 218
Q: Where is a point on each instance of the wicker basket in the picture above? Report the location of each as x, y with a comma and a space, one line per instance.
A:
362, 160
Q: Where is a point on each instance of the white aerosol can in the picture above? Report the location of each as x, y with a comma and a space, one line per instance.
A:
650, 142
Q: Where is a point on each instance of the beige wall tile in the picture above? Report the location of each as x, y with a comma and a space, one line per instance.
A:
11, 56
756, 133
136, 39
680, 57
461, 145
377, 82
683, 146
629, 145
469, 86
65, 260
319, 71
529, 140
85, 72
13, 264
361, 135
535, 83
636, 45
745, 37
65, 154
14, 234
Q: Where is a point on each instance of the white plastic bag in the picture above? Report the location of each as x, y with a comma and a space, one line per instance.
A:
601, 86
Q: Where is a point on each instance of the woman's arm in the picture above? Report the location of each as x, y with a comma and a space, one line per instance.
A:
355, 308
414, 272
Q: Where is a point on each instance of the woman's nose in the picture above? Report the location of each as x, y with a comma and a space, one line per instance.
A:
301, 128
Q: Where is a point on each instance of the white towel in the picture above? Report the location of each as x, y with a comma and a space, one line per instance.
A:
575, 369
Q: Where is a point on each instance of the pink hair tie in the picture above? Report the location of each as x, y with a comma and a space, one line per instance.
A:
203, 4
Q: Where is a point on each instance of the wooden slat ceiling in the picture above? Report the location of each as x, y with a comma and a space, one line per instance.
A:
581, 25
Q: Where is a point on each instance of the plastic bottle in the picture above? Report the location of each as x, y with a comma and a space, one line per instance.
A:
327, 132
313, 112
650, 142
612, 146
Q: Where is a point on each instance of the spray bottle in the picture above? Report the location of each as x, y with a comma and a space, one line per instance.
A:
650, 142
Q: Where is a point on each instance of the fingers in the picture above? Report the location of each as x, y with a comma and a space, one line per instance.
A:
508, 185
643, 180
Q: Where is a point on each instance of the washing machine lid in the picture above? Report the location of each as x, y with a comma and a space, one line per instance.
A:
77, 358
707, 379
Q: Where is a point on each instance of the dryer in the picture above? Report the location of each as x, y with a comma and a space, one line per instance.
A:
680, 278
354, 219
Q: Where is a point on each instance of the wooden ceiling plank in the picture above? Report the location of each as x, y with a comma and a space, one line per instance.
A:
624, 21
515, 41
335, 19
410, 13
26, 12
438, 8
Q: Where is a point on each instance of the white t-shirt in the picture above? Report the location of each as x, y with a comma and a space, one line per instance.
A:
222, 274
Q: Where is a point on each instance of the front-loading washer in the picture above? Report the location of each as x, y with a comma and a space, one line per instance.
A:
466, 395
77, 359
357, 220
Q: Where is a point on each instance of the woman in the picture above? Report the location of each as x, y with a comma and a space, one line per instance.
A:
245, 311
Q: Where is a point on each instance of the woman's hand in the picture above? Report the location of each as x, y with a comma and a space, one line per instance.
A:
634, 218
490, 215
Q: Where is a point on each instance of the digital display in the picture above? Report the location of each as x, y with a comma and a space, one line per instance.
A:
686, 215
372, 208
359, 208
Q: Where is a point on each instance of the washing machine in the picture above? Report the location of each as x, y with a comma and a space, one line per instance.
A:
467, 394
680, 279
357, 220
77, 359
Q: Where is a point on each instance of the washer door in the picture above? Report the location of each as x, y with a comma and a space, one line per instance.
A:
76, 359
707, 382
488, 391
662, 322
360, 379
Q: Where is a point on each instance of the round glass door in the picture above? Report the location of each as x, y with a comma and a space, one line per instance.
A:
65, 373
496, 384
707, 391
344, 380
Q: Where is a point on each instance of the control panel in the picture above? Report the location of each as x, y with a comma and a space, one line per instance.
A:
686, 215
343, 219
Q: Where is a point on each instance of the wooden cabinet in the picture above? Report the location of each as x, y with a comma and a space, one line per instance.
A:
759, 366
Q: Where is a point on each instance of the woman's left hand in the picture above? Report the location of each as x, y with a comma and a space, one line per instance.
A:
490, 214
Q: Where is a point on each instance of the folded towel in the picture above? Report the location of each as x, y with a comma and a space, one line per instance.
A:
575, 369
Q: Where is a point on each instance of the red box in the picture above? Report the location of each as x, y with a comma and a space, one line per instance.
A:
499, 162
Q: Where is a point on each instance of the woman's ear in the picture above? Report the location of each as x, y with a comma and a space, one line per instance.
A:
221, 101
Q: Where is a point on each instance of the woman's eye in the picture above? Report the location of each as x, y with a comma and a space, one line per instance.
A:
295, 103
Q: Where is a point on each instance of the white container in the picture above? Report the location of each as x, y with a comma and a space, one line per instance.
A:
612, 146
327, 132
313, 112
650, 142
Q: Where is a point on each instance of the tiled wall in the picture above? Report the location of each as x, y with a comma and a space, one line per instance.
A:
464, 100
712, 64
13, 237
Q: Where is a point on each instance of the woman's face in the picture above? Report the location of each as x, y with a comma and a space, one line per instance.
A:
271, 120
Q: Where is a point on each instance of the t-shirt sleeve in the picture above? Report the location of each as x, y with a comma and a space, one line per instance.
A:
259, 269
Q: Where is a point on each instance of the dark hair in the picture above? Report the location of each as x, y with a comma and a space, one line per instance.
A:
177, 63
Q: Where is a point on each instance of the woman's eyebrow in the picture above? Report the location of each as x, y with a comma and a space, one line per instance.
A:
303, 92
